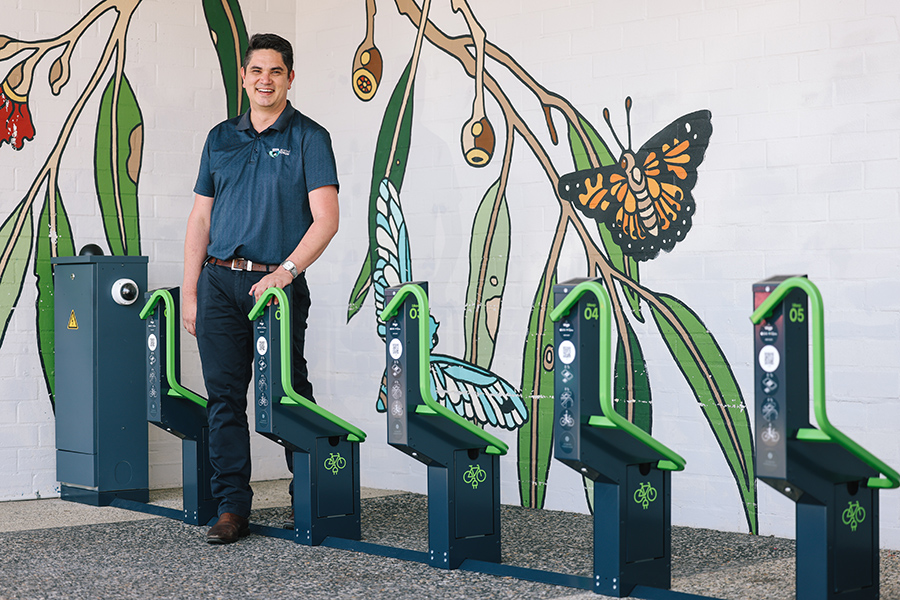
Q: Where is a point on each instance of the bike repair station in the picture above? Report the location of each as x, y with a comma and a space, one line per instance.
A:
109, 325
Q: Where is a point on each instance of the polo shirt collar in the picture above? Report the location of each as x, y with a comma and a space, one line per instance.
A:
280, 124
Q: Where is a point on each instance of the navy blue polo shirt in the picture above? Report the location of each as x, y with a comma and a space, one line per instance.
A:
261, 184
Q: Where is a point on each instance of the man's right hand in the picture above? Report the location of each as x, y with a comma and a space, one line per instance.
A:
189, 315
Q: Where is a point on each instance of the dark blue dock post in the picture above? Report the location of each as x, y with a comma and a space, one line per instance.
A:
832, 479
325, 447
176, 409
463, 460
630, 469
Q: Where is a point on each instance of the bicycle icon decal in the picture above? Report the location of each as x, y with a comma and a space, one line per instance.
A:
645, 494
853, 515
474, 476
335, 462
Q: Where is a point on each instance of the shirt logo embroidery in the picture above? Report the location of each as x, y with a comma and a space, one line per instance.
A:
276, 152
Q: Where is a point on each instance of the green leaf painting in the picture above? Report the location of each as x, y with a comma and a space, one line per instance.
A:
391, 155
16, 235
639, 409
119, 145
709, 375
360, 288
536, 436
229, 36
54, 238
488, 264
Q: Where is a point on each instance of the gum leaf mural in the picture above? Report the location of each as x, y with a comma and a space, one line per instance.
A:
117, 163
229, 37
118, 150
55, 223
639, 202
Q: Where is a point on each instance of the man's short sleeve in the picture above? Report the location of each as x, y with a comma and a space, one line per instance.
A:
205, 185
318, 161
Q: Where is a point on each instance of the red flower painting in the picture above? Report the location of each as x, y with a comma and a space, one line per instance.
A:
15, 119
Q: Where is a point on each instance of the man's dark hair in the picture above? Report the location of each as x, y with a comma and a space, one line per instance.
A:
270, 41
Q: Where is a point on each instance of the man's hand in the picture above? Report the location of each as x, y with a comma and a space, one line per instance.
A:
279, 278
189, 314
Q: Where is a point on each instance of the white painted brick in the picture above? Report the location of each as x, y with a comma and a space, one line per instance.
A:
875, 88
788, 151
768, 15
701, 24
567, 19
828, 10
882, 174
831, 178
804, 38
865, 147
638, 34
732, 47
863, 32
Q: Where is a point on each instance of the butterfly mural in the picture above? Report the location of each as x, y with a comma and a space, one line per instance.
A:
471, 391
645, 198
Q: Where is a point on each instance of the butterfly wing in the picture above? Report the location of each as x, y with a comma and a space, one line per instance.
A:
381, 403
646, 198
393, 264
592, 192
669, 162
476, 394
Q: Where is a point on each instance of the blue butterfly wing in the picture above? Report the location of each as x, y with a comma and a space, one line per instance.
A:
381, 403
476, 394
393, 264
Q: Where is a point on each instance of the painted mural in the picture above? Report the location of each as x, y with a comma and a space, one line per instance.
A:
38, 228
639, 204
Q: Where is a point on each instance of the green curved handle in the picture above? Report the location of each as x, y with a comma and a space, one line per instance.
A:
673, 461
355, 434
817, 316
495, 446
176, 389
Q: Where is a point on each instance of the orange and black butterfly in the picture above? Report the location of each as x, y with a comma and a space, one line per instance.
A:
645, 198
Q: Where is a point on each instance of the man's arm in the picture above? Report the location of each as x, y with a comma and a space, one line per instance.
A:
323, 203
195, 242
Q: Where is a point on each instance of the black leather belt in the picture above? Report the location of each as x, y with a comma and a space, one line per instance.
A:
242, 264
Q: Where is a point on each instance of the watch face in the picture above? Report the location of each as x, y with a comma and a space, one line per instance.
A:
290, 267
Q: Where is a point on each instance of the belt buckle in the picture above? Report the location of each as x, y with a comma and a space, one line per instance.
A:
235, 262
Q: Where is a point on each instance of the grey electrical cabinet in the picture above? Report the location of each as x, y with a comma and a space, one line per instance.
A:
101, 420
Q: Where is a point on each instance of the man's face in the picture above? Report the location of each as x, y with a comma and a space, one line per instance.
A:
267, 80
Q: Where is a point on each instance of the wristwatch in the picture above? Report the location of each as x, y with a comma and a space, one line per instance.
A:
290, 268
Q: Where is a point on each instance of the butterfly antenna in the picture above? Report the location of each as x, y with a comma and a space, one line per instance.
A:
609, 124
628, 118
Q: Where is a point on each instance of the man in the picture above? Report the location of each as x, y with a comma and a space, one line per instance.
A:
265, 208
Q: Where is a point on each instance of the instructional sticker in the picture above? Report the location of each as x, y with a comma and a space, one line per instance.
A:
152, 342
262, 345
769, 358
395, 348
567, 352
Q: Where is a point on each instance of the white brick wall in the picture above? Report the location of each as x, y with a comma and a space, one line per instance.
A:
801, 177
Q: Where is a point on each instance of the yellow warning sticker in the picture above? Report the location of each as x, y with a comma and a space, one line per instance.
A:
73, 322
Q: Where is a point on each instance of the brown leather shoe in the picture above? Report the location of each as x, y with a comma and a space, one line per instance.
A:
229, 528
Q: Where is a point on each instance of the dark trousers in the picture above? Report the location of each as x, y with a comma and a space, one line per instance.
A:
225, 341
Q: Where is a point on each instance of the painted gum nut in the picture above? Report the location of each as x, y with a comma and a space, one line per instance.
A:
478, 141
366, 72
